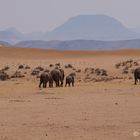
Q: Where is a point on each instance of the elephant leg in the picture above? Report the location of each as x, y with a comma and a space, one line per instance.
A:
136, 81
45, 84
50, 84
40, 84
56, 84
66, 84
73, 84
61, 83
69, 84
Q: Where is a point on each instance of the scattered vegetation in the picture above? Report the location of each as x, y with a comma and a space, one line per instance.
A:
127, 67
78, 71
51, 65
27, 67
39, 68
68, 66
3, 76
20, 66
17, 74
5, 69
95, 74
35, 72
58, 65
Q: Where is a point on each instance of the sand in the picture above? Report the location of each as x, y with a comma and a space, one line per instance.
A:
88, 111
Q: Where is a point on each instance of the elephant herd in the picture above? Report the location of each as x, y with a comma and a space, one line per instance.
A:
55, 76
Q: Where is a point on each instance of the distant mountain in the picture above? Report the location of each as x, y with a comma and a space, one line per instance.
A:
38, 44
12, 35
81, 44
83, 27
3, 43
92, 27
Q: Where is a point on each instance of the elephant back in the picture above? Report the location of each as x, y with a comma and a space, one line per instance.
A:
62, 73
69, 78
56, 74
44, 76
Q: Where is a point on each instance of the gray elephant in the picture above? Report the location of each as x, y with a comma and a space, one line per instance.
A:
46, 77
137, 75
63, 75
58, 76
69, 80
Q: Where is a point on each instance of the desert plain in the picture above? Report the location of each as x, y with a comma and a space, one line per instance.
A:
98, 107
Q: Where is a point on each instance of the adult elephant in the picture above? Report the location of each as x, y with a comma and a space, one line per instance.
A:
46, 77
58, 77
137, 75
63, 75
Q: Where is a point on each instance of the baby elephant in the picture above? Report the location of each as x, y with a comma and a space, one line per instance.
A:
69, 80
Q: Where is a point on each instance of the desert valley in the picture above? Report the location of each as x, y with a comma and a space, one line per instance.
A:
103, 104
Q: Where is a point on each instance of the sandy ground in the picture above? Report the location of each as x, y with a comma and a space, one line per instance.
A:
88, 111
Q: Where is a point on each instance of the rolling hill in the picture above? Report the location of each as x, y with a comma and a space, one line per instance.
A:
81, 44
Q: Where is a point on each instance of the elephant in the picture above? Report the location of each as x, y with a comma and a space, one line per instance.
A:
45, 77
58, 76
137, 75
63, 75
69, 80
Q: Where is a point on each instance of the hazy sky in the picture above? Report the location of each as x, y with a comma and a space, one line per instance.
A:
45, 15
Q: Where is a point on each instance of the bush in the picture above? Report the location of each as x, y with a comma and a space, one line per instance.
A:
39, 68
17, 74
3, 76
78, 71
97, 71
27, 67
20, 67
35, 72
68, 66
104, 73
57, 64
51, 65
118, 65
125, 71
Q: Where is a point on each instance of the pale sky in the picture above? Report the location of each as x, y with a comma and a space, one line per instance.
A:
45, 15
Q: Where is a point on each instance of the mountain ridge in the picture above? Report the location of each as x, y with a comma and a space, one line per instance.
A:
81, 44
88, 27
